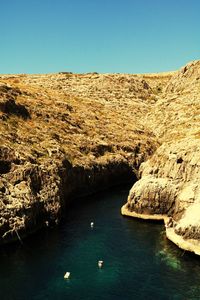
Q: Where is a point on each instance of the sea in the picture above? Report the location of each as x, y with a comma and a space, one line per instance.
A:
138, 261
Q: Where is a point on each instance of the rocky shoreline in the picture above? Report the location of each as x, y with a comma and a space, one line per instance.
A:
27, 211
190, 245
155, 217
169, 180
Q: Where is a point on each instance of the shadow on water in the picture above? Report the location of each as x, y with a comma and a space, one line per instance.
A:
139, 262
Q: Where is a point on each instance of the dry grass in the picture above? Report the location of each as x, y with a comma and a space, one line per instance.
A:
79, 114
85, 129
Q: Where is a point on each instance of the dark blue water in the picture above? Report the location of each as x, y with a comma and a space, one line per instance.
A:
139, 263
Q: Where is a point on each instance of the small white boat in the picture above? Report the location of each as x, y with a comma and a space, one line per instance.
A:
92, 224
100, 263
67, 275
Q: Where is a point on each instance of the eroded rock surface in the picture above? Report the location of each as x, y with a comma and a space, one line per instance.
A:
63, 136
169, 183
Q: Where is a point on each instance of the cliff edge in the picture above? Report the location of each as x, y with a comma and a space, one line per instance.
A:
169, 181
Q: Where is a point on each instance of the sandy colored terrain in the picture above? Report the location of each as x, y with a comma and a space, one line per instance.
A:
65, 135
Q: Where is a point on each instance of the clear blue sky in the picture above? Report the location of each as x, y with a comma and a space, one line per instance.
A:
128, 36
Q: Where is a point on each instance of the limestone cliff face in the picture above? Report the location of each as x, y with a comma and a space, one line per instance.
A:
35, 195
64, 136
169, 180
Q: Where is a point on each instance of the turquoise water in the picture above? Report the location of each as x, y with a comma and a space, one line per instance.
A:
139, 263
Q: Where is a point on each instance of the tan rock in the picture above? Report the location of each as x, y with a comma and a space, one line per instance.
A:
170, 179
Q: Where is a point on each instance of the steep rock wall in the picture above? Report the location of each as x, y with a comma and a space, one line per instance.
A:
35, 195
169, 187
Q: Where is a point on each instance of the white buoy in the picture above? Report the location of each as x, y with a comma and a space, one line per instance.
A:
100, 263
67, 275
92, 224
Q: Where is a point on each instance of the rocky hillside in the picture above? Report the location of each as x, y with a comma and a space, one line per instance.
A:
169, 185
65, 135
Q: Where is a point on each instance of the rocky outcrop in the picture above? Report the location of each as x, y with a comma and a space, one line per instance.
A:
169, 186
8, 105
29, 196
37, 195
186, 79
169, 180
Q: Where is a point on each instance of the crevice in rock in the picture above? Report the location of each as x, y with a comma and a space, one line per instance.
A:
179, 160
5, 166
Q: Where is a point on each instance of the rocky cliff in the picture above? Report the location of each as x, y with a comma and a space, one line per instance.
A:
169, 181
65, 135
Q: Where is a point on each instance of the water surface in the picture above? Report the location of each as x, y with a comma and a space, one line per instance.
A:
139, 263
